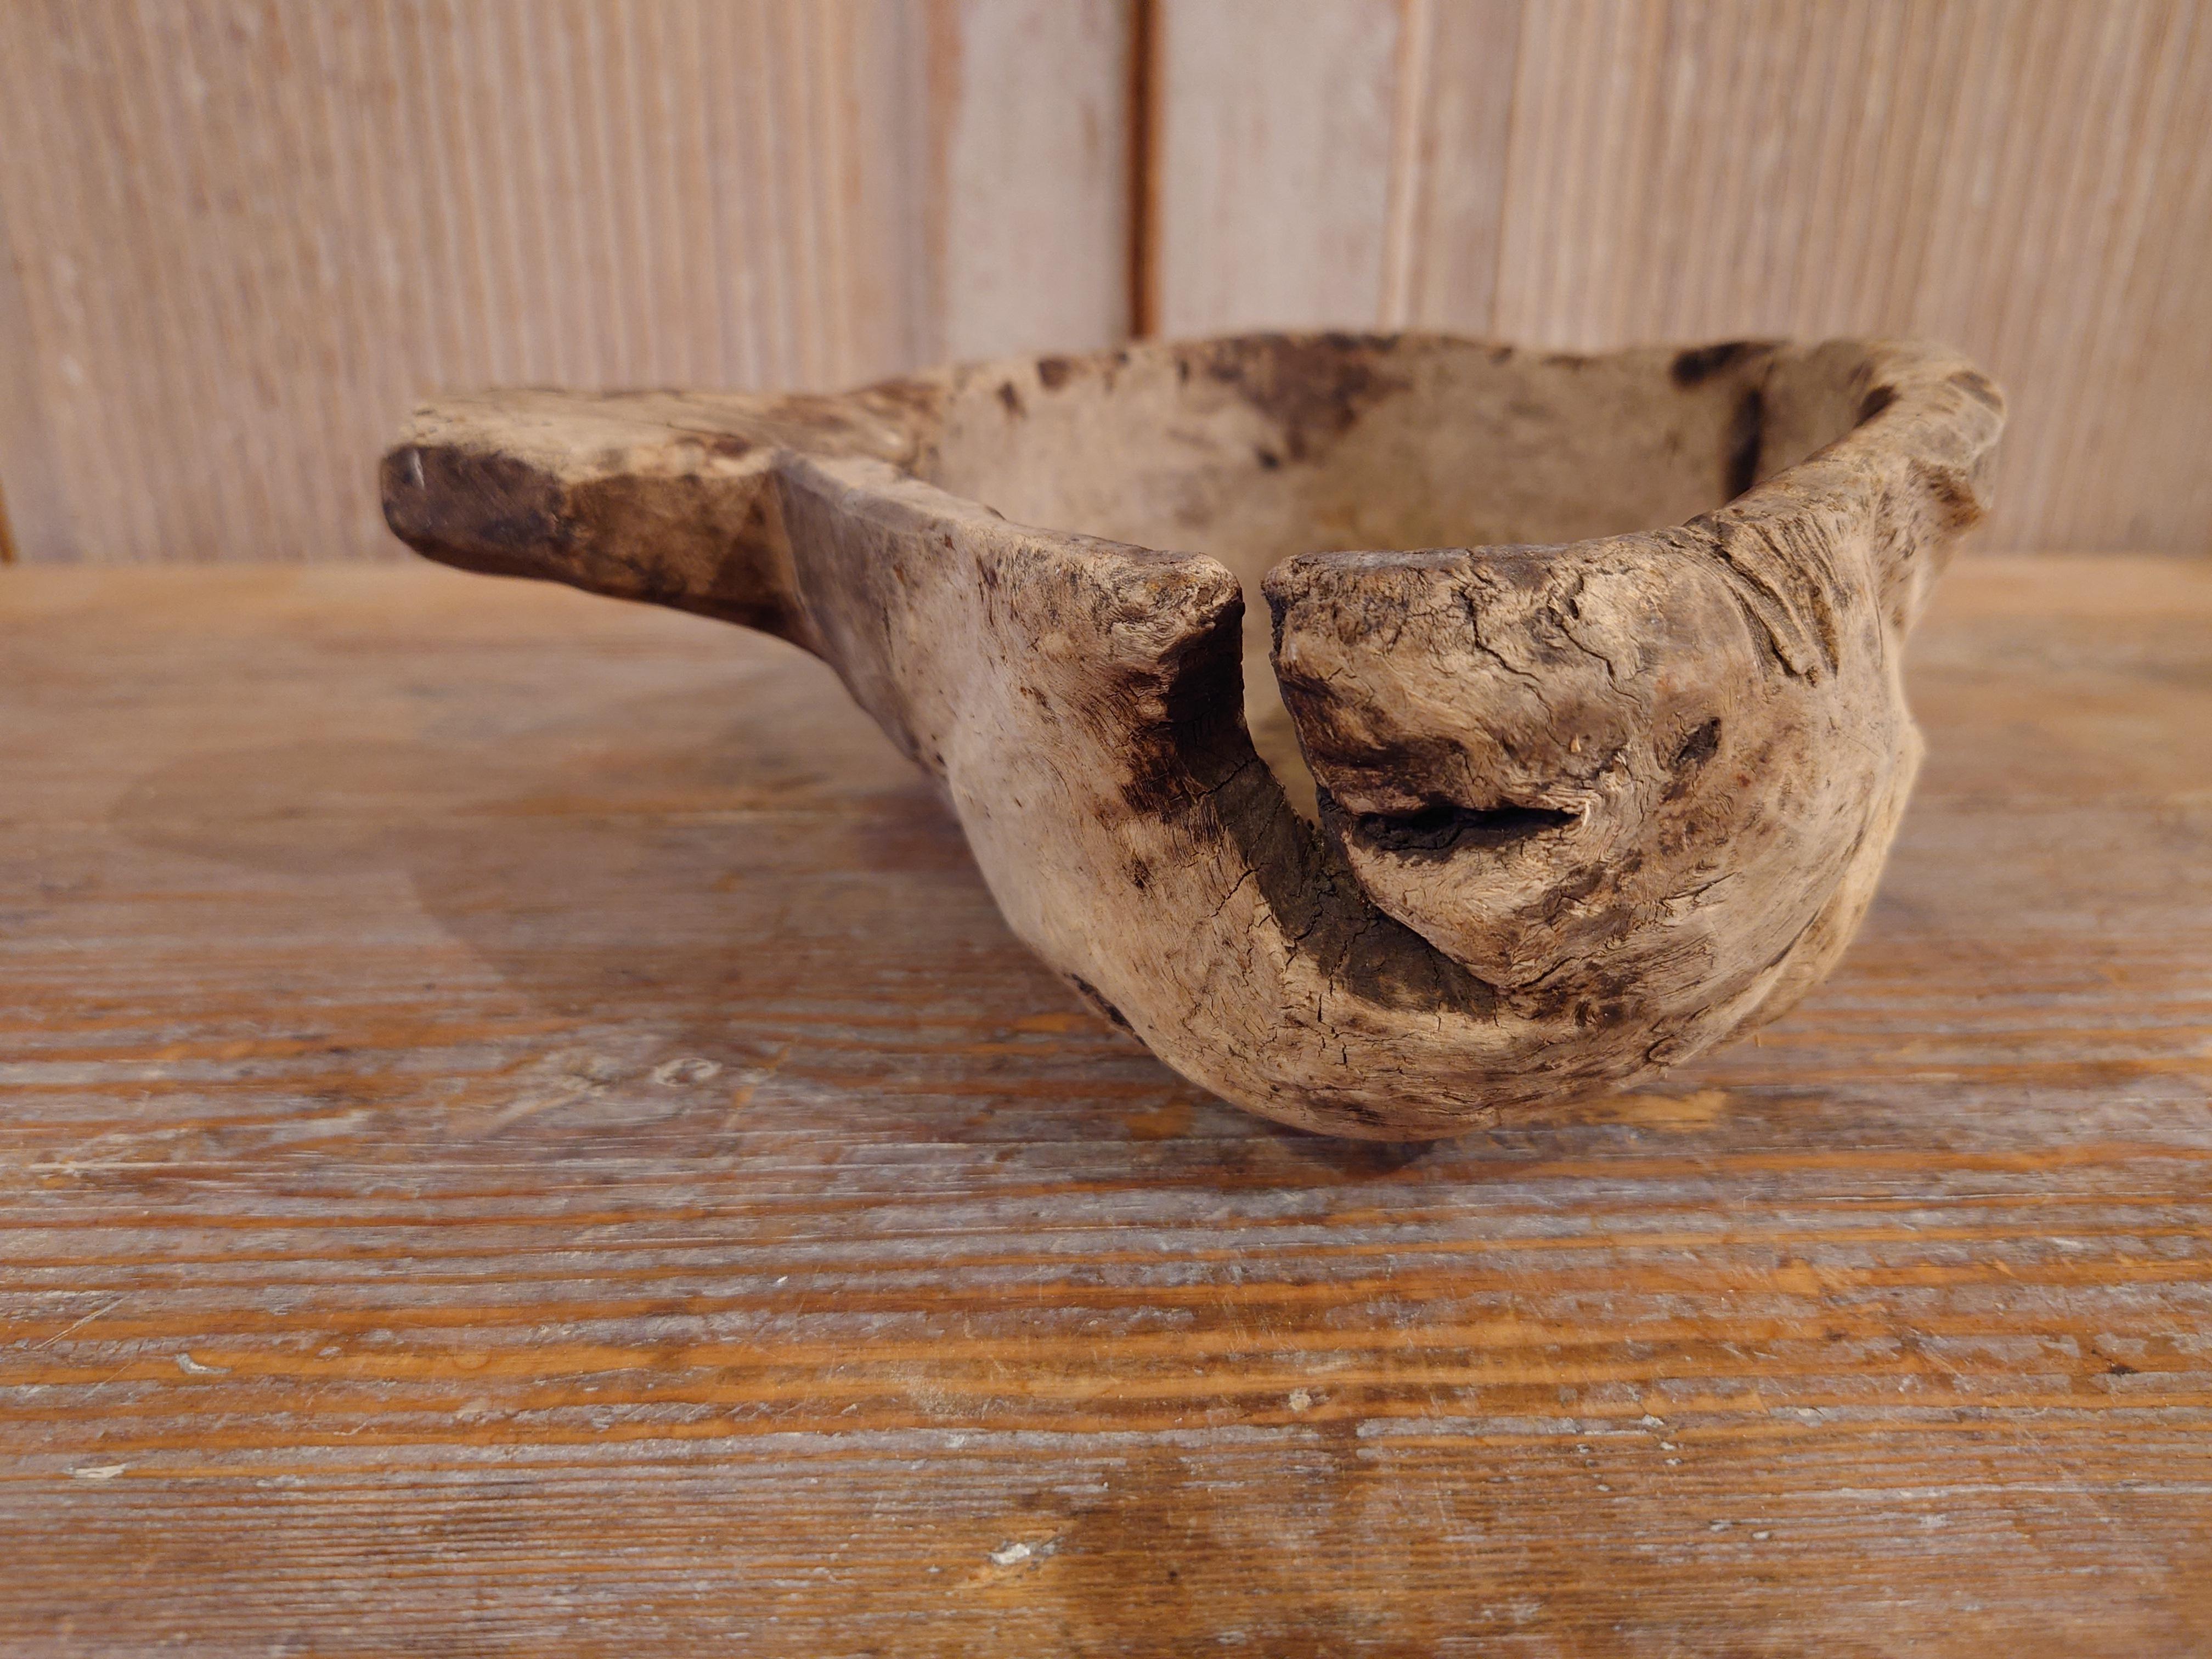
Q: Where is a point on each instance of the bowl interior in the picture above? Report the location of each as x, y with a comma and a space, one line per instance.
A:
1255, 448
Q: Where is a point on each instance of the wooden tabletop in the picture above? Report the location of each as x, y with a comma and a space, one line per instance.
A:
523, 1133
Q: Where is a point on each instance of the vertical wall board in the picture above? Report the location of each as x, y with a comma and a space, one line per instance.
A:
2026, 178
247, 234
1677, 169
2003, 176
2075, 257
1035, 229
33, 521
2145, 436
1275, 130
250, 232
1455, 100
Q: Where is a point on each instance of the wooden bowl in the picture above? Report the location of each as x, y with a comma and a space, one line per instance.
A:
1593, 763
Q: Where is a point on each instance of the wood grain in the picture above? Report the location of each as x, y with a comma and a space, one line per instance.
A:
1275, 126
248, 233
252, 233
525, 1133
1379, 844
1031, 245
2025, 179
30, 516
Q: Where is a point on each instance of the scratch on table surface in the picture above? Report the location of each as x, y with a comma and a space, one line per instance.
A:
684, 1071
1016, 1551
742, 1097
80, 1324
1010, 1560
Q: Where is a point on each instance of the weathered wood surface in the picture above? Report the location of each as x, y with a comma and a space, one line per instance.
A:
523, 1133
250, 233
247, 233
1605, 758
2026, 179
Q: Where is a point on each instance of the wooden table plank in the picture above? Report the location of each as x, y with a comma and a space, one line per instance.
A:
522, 1132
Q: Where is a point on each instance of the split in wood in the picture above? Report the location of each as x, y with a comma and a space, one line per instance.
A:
1542, 800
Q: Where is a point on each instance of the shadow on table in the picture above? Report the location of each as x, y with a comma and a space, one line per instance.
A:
772, 902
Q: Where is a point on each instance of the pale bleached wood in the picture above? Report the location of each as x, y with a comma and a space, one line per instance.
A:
1033, 240
1455, 198
252, 232
1592, 796
1274, 136
291, 219
33, 524
2025, 180
383, 1299
1991, 175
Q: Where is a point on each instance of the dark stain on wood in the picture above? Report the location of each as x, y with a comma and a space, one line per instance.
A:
1954, 498
1312, 387
1746, 429
1441, 828
1195, 739
1700, 363
1978, 386
1088, 992
490, 513
1700, 746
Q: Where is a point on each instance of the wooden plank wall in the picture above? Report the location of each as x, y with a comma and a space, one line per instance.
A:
250, 233
2029, 179
238, 237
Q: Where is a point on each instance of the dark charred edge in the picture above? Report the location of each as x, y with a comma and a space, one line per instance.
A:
1197, 741
1325, 915
652, 540
1700, 363
1978, 386
1193, 756
1875, 402
489, 513
1441, 828
1690, 758
1700, 746
1052, 373
1312, 387
1747, 431
1012, 397
1279, 605
1088, 992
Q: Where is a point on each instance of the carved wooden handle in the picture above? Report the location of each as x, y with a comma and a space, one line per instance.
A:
1586, 795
